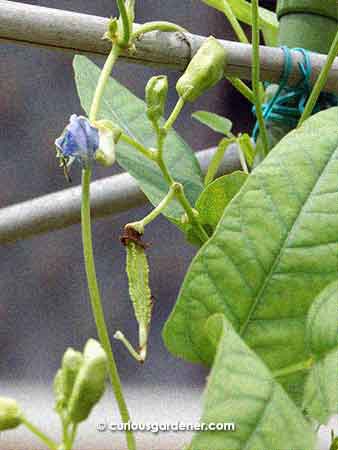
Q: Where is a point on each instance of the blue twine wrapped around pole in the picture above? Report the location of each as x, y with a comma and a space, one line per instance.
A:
288, 103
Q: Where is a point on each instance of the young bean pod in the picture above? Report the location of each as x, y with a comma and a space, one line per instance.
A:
139, 290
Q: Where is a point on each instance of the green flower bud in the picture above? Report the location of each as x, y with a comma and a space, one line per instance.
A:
58, 391
90, 382
65, 378
204, 71
10, 414
156, 97
111, 33
71, 364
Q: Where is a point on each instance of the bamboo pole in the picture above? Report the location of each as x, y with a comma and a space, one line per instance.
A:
109, 196
81, 33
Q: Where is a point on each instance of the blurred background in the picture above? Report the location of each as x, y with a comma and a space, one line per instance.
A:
44, 305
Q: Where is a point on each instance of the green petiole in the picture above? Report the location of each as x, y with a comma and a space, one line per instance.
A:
228, 12
242, 88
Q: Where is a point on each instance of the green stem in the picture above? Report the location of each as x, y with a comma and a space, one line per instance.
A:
173, 116
242, 159
256, 86
157, 26
93, 287
181, 197
242, 88
165, 172
320, 83
294, 368
141, 148
96, 304
200, 231
235, 24
139, 226
124, 41
73, 435
104, 76
179, 190
38, 433
65, 437
157, 156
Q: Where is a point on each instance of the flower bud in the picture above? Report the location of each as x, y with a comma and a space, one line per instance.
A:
108, 137
204, 71
156, 97
71, 364
111, 33
65, 378
90, 382
10, 414
59, 395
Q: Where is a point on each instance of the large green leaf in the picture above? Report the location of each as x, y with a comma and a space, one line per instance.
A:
242, 390
273, 251
242, 10
128, 111
321, 388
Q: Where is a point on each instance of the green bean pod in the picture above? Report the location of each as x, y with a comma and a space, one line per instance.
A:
138, 276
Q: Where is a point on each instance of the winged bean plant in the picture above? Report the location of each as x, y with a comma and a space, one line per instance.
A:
258, 304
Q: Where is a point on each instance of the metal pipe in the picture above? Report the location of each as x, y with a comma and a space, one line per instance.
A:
81, 33
109, 196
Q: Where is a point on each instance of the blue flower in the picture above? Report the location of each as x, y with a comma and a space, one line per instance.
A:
79, 141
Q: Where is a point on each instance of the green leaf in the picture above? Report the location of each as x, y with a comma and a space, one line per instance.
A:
216, 196
217, 159
129, 112
321, 388
241, 390
242, 9
273, 251
214, 121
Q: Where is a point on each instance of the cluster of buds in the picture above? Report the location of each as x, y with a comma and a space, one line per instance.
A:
80, 382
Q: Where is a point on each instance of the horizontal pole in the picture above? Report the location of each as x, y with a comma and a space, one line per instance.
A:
109, 196
81, 33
